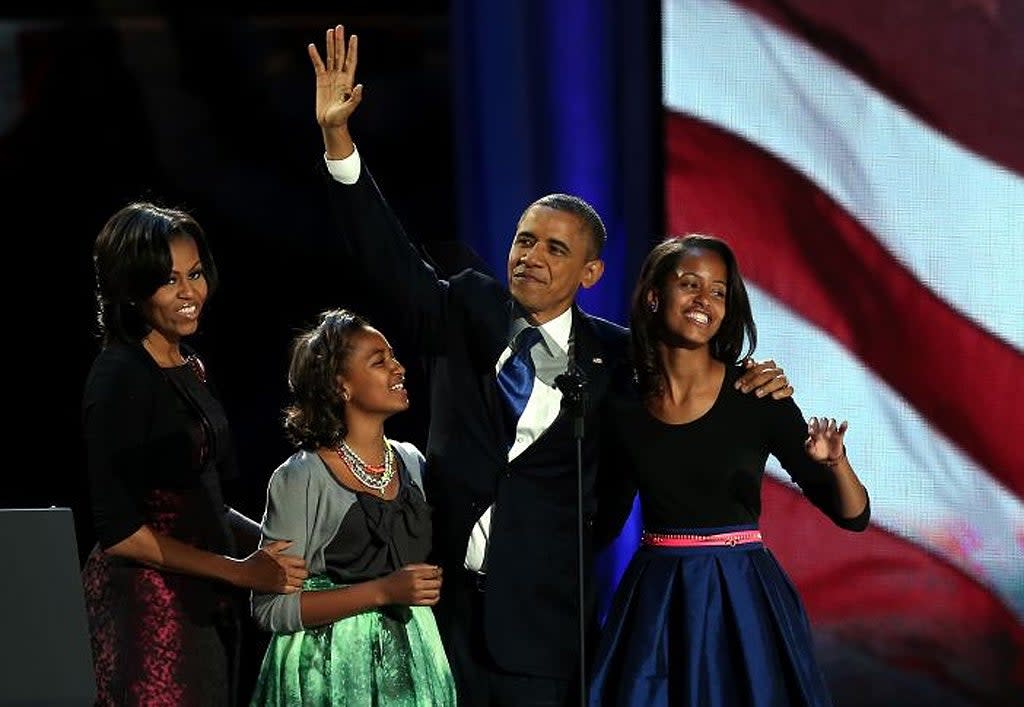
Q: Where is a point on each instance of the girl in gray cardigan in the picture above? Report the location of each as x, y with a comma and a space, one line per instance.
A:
361, 631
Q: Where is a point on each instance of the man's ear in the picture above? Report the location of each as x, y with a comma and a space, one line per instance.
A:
592, 272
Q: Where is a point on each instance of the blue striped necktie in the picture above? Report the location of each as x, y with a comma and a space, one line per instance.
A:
515, 378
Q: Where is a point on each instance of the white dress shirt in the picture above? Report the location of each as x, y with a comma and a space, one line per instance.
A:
551, 357
345, 170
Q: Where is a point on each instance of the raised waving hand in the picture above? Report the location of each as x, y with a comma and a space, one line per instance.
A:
824, 441
337, 93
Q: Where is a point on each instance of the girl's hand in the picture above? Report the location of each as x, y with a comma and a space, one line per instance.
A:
824, 442
413, 585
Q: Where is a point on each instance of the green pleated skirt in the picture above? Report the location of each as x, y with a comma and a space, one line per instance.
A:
368, 660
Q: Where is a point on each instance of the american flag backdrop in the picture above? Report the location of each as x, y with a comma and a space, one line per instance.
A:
865, 159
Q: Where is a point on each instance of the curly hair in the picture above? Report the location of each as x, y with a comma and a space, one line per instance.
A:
315, 416
646, 326
131, 260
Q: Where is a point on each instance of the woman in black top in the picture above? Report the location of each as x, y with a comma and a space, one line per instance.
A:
704, 616
162, 619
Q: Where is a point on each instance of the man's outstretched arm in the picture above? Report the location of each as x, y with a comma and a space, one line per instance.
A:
378, 252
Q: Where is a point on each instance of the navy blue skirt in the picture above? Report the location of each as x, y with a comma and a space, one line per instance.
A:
706, 627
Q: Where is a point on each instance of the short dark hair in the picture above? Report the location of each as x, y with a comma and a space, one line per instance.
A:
131, 260
315, 416
727, 343
592, 222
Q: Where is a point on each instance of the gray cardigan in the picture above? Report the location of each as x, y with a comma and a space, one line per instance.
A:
306, 505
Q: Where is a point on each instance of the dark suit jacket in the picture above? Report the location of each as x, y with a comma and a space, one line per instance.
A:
461, 327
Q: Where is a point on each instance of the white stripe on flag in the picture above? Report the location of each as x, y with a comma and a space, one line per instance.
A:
953, 218
922, 487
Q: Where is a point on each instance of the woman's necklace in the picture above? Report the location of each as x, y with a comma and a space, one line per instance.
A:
374, 476
172, 360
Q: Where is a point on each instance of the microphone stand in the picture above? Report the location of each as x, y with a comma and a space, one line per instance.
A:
574, 396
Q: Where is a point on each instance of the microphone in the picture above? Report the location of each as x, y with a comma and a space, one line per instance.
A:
573, 385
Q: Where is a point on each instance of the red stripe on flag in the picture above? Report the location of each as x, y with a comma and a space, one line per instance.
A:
956, 64
895, 600
806, 251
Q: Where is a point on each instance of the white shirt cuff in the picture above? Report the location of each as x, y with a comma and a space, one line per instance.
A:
345, 170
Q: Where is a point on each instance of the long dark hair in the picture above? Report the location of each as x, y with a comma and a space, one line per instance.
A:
315, 416
645, 325
132, 258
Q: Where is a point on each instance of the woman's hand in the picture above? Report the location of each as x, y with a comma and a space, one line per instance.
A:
270, 571
824, 443
413, 585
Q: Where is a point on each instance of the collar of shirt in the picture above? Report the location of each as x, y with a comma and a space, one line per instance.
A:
556, 333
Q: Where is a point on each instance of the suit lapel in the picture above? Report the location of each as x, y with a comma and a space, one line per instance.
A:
589, 355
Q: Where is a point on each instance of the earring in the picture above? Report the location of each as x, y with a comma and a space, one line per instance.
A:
654, 306
345, 396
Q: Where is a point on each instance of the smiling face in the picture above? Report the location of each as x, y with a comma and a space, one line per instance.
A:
173, 310
550, 258
692, 301
373, 381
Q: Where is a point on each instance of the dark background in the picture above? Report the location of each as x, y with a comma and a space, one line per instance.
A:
106, 103
215, 115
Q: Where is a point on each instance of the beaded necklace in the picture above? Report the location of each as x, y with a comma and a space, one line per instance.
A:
374, 476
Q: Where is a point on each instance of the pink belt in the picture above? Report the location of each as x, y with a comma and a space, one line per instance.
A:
740, 537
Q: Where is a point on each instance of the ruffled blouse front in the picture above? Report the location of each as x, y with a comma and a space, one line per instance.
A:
378, 536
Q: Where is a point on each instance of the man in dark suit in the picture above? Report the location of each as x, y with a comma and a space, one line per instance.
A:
501, 452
